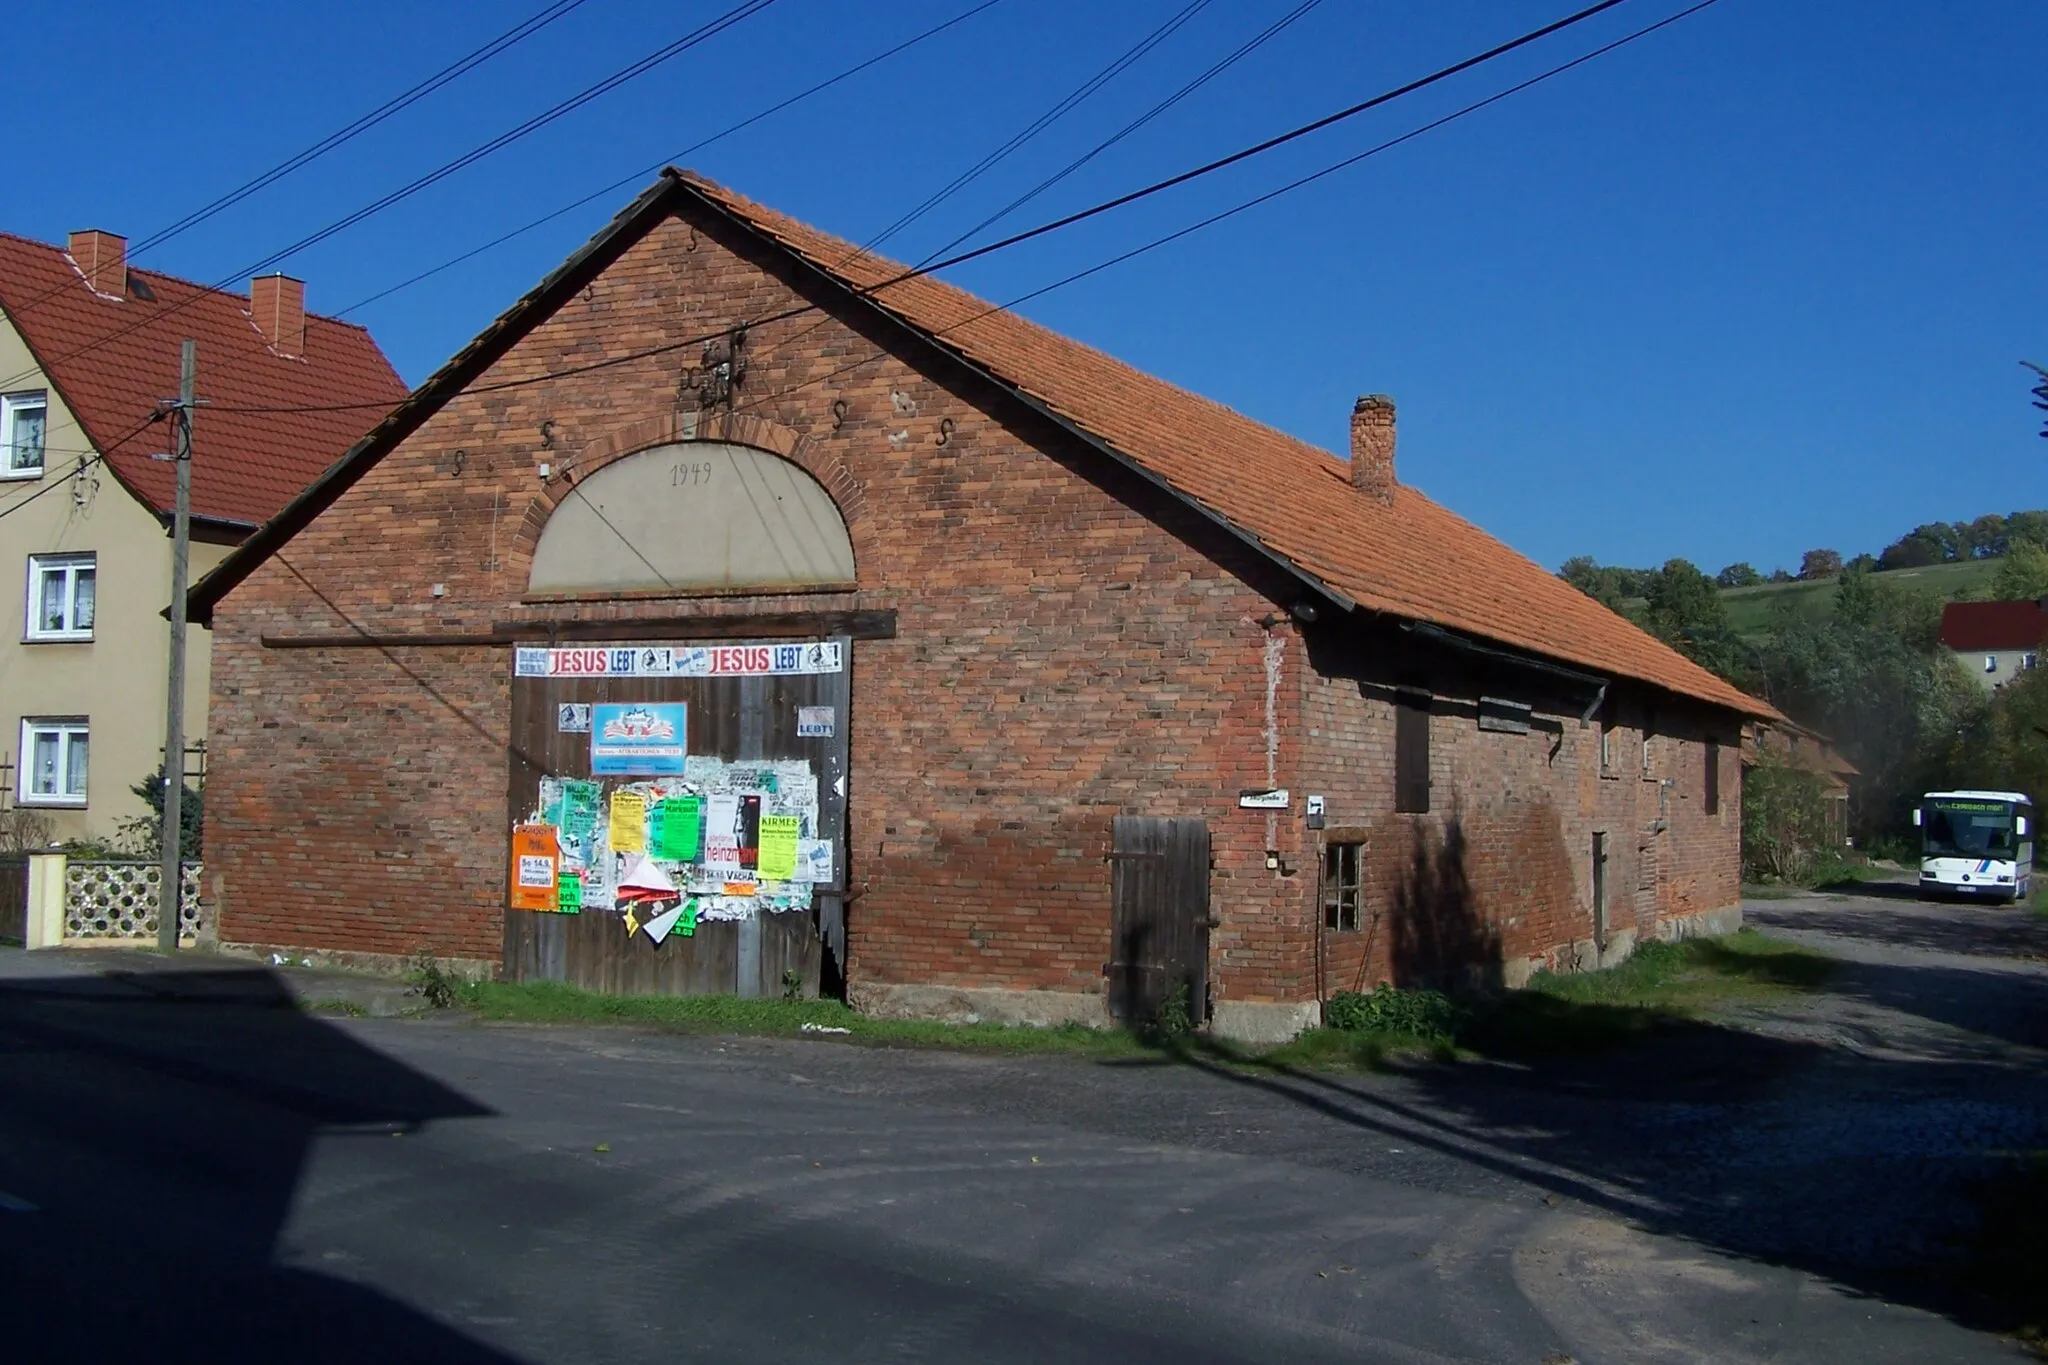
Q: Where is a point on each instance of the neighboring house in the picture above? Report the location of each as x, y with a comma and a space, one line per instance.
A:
1788, 742
988, 675
1995, 641
88, 352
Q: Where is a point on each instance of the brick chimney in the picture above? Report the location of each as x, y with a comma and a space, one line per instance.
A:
103, 259
1372, 446
278, 304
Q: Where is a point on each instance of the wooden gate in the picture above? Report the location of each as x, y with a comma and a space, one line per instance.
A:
755, 717
1159, 916
13, 898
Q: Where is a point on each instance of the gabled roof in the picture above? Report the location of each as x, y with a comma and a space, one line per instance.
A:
246, 466
1993, 625
1412, 560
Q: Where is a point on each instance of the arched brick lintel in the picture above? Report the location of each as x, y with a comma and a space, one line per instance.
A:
672, 428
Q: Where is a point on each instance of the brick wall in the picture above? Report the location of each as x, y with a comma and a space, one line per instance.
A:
1071, 645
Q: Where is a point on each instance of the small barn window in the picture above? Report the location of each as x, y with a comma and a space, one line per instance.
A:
1411, 752
1649, 738
1340, 887
1508, 717
1606, 744
1713, 775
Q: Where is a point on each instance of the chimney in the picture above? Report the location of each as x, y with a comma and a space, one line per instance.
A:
103, 259
1372, 446
278, 304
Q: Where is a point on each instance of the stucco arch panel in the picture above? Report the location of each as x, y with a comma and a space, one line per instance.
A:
693, 515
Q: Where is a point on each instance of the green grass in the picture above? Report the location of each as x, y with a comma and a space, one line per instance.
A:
545, 1002
1662, 984
1751, 609
347, 1007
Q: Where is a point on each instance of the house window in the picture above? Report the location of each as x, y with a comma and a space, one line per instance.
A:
1649, 734
1411, 752
53, 763
23, 419
2028, 661
1340, 886
1606, 744
1713, 771
61, 593
1990, 663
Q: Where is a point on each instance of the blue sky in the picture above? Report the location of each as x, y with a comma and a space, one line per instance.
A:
1754, 284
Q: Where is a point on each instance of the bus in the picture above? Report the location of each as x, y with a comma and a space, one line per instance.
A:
1976, 844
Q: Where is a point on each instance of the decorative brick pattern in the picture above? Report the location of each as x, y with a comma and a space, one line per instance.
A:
119, 900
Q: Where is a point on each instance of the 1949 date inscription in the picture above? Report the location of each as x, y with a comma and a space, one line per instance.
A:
689, 473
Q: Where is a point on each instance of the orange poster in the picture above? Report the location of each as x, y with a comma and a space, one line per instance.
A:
536, 862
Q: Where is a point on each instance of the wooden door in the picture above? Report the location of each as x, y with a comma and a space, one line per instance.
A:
738, 718
1159, 916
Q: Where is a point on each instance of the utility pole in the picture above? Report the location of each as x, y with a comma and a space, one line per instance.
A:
171, 888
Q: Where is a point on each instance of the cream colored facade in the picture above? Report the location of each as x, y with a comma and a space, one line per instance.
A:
115, 682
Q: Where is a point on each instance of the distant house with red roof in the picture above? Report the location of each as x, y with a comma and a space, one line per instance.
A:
89, 349
1995, 641
1006, 681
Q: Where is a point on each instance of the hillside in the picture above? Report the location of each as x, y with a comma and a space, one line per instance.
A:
1751, 609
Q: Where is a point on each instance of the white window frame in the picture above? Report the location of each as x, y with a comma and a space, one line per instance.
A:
65, 728
10, 405
2029, 661
44, 567
1990, 663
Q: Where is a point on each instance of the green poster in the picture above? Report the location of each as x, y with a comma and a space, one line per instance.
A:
778, 847
686, 923
579, 810
678, 828
569, 893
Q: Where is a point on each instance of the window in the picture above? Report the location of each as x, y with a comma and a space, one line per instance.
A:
1713, 771
2028, 661
22, 422
1990, 663
61, 594
53, 763
1606, 744
1649, 734
1411, 752
1340, 886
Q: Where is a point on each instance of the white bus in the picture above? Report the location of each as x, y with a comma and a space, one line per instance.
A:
1976, 844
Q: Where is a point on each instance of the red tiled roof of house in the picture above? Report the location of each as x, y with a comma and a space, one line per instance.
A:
246, 465
1412, 559
1993, 625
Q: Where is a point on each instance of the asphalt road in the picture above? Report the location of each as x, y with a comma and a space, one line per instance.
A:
204, 1174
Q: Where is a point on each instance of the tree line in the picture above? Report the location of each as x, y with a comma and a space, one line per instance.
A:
1871, 675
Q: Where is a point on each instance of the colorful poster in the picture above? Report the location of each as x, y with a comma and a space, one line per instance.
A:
536, 862
677, 828
628, 829
658, 928
814, 861
578, 820
777, 861
569, 893
722, 832
629, 739
747, 830
680, 661
686, 923
814, 722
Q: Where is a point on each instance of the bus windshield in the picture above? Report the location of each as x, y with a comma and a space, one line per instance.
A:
1969, 829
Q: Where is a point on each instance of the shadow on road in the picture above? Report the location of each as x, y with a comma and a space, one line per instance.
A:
158, 1125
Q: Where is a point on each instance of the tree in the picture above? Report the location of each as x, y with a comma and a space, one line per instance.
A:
1986, 536
2022, 575
1603, 585
2029, 526
1910, 551
1741, 574
145, 835
1687, 613
1778, 575
1817, 564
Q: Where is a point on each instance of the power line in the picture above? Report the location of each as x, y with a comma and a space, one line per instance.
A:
52, 484
526, 28
1243, 50
640, 175
915, 272
738, 14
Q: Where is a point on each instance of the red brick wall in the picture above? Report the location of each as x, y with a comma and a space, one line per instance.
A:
1061, 657
1071, 646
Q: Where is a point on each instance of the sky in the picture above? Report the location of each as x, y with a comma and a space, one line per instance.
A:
1756, 283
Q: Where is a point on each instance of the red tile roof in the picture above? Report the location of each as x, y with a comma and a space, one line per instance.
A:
1993, 625
246, 466
1414, 559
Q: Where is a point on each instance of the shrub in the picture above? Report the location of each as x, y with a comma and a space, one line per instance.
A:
1786, 833
1392, 1009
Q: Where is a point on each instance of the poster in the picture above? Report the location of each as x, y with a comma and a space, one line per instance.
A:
814, 722
777, 860
721, 832
569, 893
814, 861
628, 830
535, 865
677, 828
680, 661
577, 822
630, 739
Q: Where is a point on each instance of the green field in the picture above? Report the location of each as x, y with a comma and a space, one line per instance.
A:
1751, 609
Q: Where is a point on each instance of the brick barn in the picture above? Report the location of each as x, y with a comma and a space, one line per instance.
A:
1064, 690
